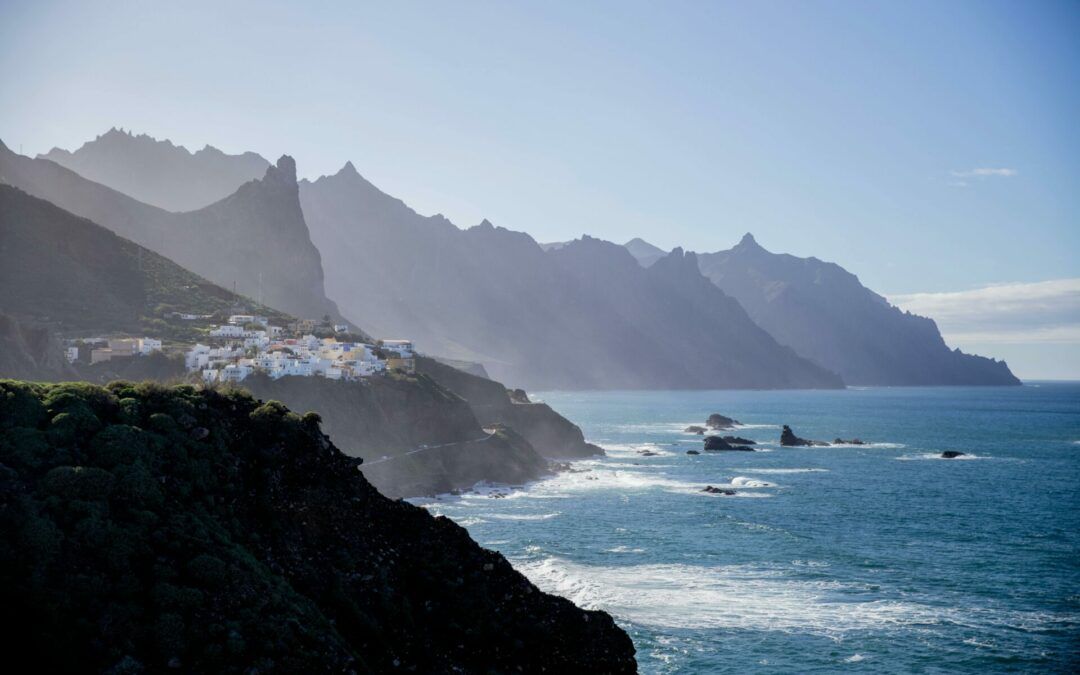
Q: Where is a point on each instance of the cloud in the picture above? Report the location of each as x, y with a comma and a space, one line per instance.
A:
985, 172
1043, 312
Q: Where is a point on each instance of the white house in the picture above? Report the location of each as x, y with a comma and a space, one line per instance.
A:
228, 331
149, 345
233, 373
72, 354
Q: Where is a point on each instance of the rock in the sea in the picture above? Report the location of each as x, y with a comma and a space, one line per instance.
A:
952, 454
789, 439
738, 440
648, 453
717, 491
717, 444
694, 429
718, 421
692, 452
853, 441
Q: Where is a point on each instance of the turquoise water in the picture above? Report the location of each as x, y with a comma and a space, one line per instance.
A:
880, 558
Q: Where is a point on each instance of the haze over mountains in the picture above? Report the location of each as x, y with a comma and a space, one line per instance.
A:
158, 172
255, 239
581, 314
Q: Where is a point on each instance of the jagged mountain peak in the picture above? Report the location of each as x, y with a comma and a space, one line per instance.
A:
285, 168
748, 243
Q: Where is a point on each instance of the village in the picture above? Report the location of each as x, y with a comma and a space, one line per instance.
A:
248, 344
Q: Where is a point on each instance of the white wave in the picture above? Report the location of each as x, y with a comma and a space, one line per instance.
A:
757, 426
634, 450
743, 481
521, 516
937, 455
870, 446
624, 549
781, 471
744, 597
467, 521
854, 658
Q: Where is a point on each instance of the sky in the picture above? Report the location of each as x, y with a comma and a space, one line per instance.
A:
928, 147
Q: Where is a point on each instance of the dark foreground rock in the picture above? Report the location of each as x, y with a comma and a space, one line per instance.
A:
150, 529
718, 421
789, 439
738, 440
717, 444
952, 454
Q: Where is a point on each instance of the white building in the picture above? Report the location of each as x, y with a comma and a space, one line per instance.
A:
72, 354
403, 348
149, 345
228, 331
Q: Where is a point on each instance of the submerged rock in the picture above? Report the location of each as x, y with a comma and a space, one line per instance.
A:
718, 421
692, 452
694, 429
853, 441
648, 453
717, 491
952, 454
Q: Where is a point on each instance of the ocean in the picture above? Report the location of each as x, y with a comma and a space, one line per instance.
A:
874, 558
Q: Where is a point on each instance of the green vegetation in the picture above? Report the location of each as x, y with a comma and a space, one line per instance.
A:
146, 528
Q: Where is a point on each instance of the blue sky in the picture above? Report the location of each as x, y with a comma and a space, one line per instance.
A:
929, 147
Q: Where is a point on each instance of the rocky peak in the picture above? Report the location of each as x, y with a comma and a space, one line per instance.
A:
282, 172
748, 243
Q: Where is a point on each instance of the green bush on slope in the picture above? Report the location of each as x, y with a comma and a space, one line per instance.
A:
145, 528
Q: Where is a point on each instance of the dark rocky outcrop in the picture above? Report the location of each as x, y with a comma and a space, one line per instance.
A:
549, 432
825, 314
145, 529
717, 443
416, 437
718, 421
694, 429
952, 454
692, 452
738, 440
851, 441
789, 439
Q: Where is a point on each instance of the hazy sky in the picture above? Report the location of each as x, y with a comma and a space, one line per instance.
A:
928, 147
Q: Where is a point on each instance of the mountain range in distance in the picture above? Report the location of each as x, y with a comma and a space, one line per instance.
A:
581, 314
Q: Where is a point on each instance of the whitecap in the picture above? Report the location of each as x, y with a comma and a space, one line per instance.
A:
521, 516
624, 549
854, 658
743, 481
937, 455
745, 597
780, 471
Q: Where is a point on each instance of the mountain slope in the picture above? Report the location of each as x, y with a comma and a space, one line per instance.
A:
80, 278
824, 313
255, 239
151, 529
492, 295
160, 173
645, 253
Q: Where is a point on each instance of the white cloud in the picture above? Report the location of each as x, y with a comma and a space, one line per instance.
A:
1014, 313
985, 172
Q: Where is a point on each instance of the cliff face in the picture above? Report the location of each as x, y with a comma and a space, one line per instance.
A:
160, 173
416, 437
533, 318
551, 434
144, 528
255, 240
31, 352
822, 311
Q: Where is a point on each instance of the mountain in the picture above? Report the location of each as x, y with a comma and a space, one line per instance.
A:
824, 313
644, 252
255, 239
159, 173
545, 319
78, 278
153, 529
